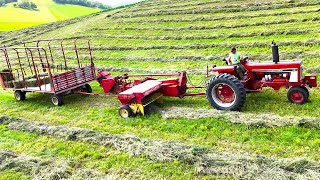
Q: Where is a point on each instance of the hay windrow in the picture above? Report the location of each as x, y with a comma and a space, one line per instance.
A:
205, 160
35, 167
259, 120
308, 42
214, 10
45, 169
216, 36
219, 26
205, 18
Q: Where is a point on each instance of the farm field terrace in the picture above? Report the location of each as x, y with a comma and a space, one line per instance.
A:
12, 18
184, 137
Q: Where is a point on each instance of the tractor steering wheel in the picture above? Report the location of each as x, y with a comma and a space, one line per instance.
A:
246, 59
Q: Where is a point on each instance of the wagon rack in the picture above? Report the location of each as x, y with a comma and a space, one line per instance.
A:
60, 67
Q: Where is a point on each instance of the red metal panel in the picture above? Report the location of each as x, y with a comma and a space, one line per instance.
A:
73, 79
139, 91
311, 80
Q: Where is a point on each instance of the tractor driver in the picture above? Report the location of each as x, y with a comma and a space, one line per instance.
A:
235, 59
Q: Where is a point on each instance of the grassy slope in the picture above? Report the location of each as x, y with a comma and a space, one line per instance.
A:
16, 18
100, 113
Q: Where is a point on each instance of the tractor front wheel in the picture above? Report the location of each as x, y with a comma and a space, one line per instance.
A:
298, 95
306, 89
226, 92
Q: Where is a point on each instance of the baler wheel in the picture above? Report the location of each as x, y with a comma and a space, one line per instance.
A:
57, 99
298, 95
125, 111
19, 95
226, 92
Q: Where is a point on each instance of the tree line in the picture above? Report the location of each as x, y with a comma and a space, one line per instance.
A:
3, 2
86, 3
26, 5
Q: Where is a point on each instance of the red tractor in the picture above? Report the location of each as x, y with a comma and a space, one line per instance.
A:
225, 90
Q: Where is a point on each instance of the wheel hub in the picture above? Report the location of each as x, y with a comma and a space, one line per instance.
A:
18, 97
55, 101
224, 95
297, 97
124, 113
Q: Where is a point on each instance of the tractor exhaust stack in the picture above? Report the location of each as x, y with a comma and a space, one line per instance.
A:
275, 52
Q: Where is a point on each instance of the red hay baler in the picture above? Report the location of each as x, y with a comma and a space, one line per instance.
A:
224, 91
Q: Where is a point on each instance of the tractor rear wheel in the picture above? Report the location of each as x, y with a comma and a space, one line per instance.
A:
125, 111
298, 95
226, 92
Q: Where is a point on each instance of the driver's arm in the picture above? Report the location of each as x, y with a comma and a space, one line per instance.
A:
229, 60
241, 58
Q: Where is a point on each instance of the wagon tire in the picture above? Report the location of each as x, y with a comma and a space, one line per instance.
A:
226, 92
125, 111
298, 95
87, 88
19, 95
57, 99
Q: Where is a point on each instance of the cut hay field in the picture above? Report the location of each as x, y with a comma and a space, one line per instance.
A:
12, 18
184, 138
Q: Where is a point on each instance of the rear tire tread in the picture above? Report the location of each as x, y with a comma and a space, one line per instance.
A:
230, 79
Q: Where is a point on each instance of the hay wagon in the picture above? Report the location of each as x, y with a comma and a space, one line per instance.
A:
47, 66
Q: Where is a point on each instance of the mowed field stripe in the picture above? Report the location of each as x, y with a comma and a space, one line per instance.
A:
309, 42
210, 10
216, 36
216, 26
205, 160
216, 18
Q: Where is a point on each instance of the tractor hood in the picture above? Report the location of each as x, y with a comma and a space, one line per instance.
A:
271, 66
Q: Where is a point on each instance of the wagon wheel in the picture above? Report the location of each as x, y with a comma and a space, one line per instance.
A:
226, 92
125, 111
86, 88
19, 95
298, 95
57, 99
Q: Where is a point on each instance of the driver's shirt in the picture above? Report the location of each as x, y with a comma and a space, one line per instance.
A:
235, 58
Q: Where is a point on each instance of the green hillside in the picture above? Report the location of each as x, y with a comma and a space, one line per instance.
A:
186, 139
12, 18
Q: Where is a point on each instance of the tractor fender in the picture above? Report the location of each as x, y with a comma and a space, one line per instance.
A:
225, 69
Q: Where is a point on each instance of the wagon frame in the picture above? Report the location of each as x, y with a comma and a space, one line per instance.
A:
36, 69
